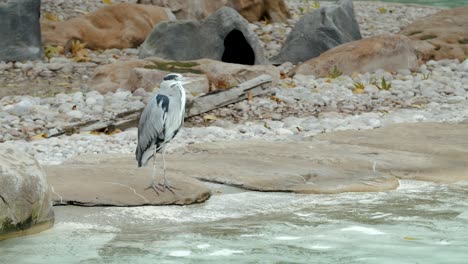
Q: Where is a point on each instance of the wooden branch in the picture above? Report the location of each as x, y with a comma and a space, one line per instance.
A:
202, 104
207, 102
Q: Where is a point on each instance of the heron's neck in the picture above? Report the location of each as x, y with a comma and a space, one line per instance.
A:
182, 94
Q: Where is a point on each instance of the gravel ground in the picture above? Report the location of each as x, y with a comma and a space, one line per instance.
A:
58, 95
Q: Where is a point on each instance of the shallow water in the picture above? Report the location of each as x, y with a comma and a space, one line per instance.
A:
438, 3
441, 3
418, 223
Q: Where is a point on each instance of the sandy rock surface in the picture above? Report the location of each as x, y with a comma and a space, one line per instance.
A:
352, 161
114, 180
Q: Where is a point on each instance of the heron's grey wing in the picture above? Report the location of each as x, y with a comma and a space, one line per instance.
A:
151, 127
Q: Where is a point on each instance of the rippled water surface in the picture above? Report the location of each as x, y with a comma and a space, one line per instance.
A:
418, 223
441, 3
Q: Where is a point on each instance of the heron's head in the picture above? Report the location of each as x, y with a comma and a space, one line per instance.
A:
175, 77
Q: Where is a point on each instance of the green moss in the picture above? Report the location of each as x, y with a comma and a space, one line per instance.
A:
426, 37
8, 226
175, 66
415, 32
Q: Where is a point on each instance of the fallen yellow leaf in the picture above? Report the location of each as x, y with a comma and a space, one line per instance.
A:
109, 2
249, 96
276, 99
358, 91
51, 17
51, 50
209, 118
409, 238
81, 56
77, 46
38, 136
112, 132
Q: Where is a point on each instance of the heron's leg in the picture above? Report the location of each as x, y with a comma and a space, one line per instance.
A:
154, 184
166, 183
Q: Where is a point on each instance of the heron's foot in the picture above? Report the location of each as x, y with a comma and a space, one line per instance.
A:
155, 188
169, 187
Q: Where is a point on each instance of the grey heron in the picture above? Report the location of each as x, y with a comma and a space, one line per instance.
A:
159, 123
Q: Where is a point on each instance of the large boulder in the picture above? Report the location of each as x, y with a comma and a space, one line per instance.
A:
114, 26
205, 75
224, 36
252, 10
322, 29
20, 30
388, 52
443, 35
25, 199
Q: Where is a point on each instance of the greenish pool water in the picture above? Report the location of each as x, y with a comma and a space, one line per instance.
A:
441, 3
418, 223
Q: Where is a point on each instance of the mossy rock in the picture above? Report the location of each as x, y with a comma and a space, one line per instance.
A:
175, 66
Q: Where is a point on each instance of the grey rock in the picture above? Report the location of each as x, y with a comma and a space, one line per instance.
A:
223, 36
25, 200
46, 73
55, 66
75, 114
456, 99
5, 66
322, 29
371, 89
20, 30
21, 108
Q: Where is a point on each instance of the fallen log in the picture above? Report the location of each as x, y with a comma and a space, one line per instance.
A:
199, 105
216, 99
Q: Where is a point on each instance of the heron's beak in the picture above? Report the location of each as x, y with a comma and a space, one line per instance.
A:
185, 80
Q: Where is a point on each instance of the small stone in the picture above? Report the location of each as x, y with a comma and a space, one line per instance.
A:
276, 117
76, 114
465, 65
46, 73
371, 89
139, 92
54, 66
455, 99
283, 132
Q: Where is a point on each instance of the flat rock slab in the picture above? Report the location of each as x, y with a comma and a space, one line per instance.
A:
439, 151
350, 161
115, 180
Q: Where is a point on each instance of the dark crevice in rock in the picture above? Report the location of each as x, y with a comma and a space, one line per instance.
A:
4, 201
237, 49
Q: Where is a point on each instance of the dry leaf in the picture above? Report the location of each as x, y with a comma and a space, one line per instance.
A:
51, 17
51, 50
39, 136
249, 96
95, 133
358, 91
81, 56
328, 81
409, 238
209, 118
77, 46
276, 99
